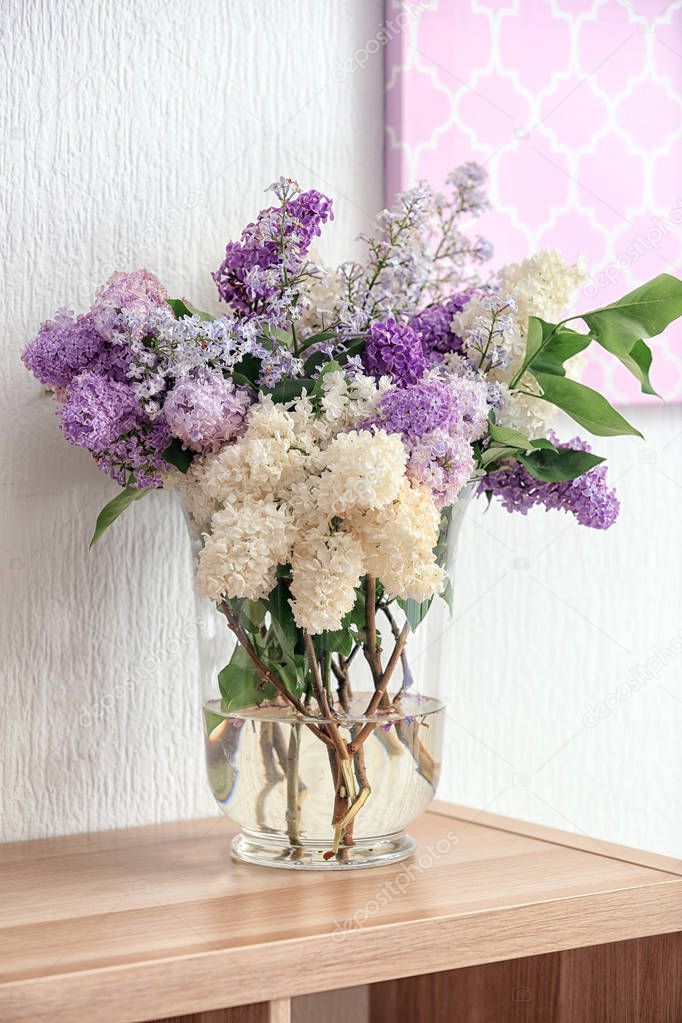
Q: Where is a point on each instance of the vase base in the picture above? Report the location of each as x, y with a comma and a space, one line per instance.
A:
272, 851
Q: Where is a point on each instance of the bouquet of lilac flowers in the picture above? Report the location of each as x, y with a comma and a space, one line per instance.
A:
322, 428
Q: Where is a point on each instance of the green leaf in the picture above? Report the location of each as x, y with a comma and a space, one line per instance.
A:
293, 673
497, 453
240, 684
351, 348
507, 437
287, 390
249, 367
315, 339
339, 641
314, 362
414, 610
643, 313
178, 456
181, 308
282, 617
242, 381
638, 362
558, 465
534, 338
558, 345
110, 512
584, 405
356, 616
548, 346
254, 611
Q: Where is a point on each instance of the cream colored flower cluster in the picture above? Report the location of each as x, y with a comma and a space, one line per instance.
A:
303, 487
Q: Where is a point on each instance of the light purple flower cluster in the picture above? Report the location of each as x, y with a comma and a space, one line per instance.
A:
444, 463
394, 349
468, 182
433, 327
259, 272
97, 411
588, 498
129, 375
457, 405
207, 412
437, 420
139, 293
63, 348
136, 458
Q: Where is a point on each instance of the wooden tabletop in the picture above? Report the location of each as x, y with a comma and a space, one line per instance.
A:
157, 921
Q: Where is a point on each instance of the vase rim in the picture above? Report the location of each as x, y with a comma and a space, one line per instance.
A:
411, 705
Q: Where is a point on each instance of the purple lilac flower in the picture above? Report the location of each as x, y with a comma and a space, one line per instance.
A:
63, 348
138, 293
278, 364
136, 458
272, 250
588, 498
309, 211
97, 411
394, 349
458, 407
442, 462
468, 182
206, 413
433, 327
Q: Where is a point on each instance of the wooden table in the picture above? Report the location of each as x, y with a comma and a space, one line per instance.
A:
492, 920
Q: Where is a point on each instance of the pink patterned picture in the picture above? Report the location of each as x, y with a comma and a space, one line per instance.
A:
574, 108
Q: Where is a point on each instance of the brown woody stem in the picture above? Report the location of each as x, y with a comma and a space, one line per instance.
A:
264, 673
374, 703
372, 655
321, 695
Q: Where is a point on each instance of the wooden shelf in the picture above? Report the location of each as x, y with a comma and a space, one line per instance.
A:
156, 922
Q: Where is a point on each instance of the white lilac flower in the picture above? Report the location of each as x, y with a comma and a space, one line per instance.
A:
326, 569
398, 541
241, 553
362, 469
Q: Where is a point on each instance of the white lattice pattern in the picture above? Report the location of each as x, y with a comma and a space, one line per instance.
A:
575, 108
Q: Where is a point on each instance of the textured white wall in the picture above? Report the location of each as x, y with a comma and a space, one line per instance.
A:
143, 135
552, 620
138, 134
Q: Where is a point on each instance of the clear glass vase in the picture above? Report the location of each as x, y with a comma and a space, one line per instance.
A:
304, 800
273, 776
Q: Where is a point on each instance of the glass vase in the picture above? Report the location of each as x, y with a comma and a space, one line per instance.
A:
334, 789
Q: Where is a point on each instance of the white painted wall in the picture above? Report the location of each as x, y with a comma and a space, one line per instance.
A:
143, 135
550, 620
138, 134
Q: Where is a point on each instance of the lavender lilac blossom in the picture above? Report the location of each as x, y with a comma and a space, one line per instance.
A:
394, 349
588, 498
63, 348
136, 458
206, 413
457, 405
97, 411
442, 462
437, 420
433, 327
270, 255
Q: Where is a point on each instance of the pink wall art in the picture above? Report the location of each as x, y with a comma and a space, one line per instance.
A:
574, 107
